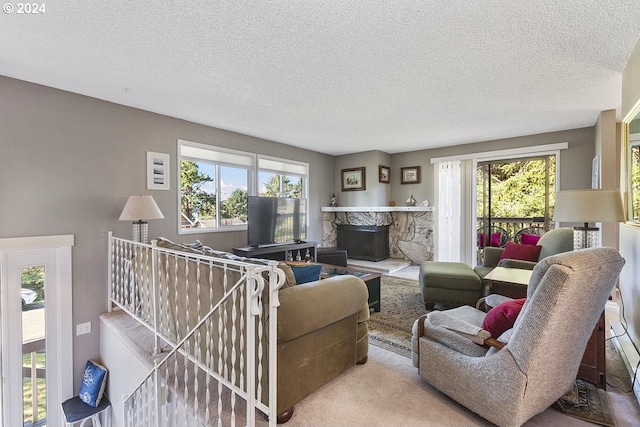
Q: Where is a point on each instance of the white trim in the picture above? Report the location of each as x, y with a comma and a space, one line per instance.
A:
56, 253
377, 209
188, 150
282, 166
38, 242
508, 153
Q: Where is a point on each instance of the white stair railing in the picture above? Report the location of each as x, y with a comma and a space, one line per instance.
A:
216, 315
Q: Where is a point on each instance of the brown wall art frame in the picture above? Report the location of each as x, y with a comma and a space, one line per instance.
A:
410, 175
353, 179
384, 174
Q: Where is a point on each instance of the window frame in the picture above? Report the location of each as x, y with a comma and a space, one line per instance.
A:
219, 156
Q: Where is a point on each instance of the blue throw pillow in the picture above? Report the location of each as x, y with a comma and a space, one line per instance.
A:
93, 383
305, 272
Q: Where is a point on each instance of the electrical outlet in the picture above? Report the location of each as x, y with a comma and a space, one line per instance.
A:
83, 328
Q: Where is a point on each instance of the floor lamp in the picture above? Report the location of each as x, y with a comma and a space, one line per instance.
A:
139, 209
588, 206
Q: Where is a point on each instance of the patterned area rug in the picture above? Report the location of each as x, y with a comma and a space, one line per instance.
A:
400, 305
588, 403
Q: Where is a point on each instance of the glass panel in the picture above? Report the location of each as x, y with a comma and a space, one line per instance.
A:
198, 194
33, 346
514, 195
233, 195
278, 185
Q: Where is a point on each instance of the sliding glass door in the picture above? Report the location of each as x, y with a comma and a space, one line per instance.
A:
514, 196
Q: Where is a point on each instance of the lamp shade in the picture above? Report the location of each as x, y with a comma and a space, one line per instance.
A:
589, 206
140, 208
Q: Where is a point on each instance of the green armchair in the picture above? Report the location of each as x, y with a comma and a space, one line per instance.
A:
553, 242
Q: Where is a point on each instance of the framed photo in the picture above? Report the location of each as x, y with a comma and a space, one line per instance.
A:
384, 174
353, 179
410, 175
157, 171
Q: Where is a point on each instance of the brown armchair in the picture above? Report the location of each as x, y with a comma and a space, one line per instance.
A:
553, 242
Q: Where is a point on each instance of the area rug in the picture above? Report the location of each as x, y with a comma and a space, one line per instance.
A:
400, 305
586, 402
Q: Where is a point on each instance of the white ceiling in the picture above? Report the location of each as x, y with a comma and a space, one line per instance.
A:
337, 76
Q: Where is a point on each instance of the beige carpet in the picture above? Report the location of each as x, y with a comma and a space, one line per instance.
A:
390, 329
387, 391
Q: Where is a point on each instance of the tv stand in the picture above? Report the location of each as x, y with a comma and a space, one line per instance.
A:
280, 252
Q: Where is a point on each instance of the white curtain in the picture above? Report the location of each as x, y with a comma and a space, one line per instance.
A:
454, 201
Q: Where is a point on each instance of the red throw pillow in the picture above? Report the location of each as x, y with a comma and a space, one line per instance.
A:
530, 239
521, 252
502, 317
495, 240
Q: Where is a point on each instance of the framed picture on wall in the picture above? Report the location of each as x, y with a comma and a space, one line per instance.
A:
157, 171
410, 175
384, 174
353, 179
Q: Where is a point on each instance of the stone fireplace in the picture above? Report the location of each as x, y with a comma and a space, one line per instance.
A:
410, 229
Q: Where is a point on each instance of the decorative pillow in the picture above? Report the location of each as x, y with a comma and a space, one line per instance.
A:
495, 240
530, 239
502, 317
93, 383
521, 252
195, 247
305, 271
290, 278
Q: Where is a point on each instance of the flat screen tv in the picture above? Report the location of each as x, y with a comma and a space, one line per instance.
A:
275, 220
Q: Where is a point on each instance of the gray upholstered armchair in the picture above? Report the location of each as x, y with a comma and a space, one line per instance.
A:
553, 242
540, 360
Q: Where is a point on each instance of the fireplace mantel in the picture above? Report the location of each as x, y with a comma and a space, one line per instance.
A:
377, 209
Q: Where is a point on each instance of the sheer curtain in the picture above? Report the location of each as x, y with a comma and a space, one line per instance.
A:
454, 201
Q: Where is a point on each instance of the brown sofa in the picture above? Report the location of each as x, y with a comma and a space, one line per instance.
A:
322, 325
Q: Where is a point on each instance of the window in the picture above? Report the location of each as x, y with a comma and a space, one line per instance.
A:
281, 178
215, 183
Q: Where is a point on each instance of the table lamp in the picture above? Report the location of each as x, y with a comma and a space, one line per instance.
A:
588, 206
139, 209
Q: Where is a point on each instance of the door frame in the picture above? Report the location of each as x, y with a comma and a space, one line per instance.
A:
59, 325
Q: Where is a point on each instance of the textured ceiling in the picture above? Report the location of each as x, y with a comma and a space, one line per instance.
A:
338, 76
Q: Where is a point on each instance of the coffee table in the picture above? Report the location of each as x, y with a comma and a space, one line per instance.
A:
370, 278
510, 282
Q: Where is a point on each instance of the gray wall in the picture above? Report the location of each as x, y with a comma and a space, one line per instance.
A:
375, 193
69, 162
575, 166
575, 163
630, 233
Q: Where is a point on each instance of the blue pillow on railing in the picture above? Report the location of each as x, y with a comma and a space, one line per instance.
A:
94, 381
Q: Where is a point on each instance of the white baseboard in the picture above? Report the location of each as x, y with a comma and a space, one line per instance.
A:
629, 354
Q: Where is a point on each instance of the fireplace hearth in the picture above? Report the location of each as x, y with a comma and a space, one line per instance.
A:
366, 242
